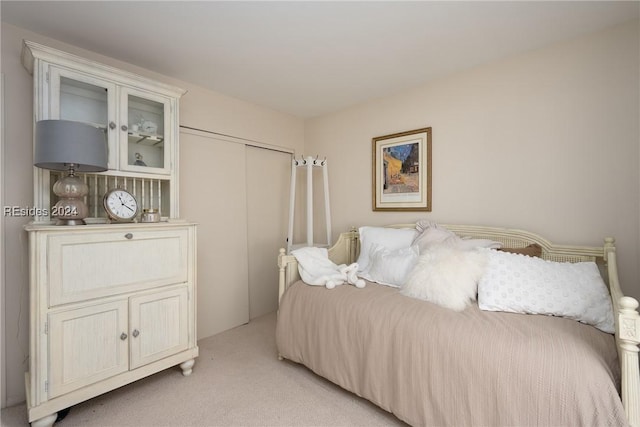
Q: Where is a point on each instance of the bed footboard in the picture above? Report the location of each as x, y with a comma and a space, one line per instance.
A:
627, 338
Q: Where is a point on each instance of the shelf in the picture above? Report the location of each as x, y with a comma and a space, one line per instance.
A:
150, 139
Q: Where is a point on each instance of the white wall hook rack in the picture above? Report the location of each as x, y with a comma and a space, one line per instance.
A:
309, 163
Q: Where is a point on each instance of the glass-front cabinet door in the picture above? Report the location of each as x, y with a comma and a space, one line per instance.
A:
144, 132
138, 125
83, 98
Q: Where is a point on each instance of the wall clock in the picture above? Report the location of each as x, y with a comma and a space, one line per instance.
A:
120, 205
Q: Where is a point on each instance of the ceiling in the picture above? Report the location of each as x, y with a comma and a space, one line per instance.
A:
311, 58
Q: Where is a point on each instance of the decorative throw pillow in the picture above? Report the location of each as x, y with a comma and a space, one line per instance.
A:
390, 267
431, 234
390, 238
533, 249
447, 276
520, 284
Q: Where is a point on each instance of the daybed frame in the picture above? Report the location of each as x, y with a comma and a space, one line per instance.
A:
627, 319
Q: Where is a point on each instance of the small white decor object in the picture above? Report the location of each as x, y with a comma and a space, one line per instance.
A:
150, 215
317, 269
149, 127
120, 205
446, 276
521, 284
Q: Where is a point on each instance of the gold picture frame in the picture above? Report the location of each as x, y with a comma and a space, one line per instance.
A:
402, 171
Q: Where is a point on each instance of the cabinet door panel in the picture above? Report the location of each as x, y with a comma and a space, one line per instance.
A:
83, 98
159, 325
85, 266
147, 125
86, 346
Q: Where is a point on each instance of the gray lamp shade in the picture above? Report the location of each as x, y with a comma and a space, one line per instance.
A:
63, 142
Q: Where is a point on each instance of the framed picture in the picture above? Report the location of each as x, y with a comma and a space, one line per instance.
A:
402, 171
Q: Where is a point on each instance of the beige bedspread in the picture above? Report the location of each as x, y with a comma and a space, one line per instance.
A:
434, 367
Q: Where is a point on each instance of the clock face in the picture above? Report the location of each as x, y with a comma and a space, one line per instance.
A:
120, 205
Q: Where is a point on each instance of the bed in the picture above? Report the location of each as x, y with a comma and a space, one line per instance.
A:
430, 365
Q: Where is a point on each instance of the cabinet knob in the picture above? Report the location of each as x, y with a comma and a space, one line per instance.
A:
124, 127
128, 236
112, 125
123, 336
135, 333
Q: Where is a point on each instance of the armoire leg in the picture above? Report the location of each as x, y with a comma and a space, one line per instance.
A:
45, 421
186, 367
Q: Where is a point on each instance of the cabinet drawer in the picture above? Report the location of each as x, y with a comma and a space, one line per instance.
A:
83, 266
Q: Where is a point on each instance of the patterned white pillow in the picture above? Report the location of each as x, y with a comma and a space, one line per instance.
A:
390, 267
522, 284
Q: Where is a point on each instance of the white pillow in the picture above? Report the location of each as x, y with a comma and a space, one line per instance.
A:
431, 234
390, 238
388, 267
447, 276
520, 284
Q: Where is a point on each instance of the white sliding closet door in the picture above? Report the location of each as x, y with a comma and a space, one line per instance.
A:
268, 175
213, 193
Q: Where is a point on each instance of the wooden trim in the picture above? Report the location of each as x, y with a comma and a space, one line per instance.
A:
35, 50
78, 396
3, 300
234, 139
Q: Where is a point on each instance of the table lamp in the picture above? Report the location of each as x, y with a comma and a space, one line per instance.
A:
65, 145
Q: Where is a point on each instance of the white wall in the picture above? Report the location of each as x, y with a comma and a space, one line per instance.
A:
199, 108
18, 176
546, 141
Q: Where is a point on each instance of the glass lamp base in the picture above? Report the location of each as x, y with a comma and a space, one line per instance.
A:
70, 209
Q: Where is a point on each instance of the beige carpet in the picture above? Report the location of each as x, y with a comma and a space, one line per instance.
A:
237, 381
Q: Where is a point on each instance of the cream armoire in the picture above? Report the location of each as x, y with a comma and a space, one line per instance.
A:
110, 303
